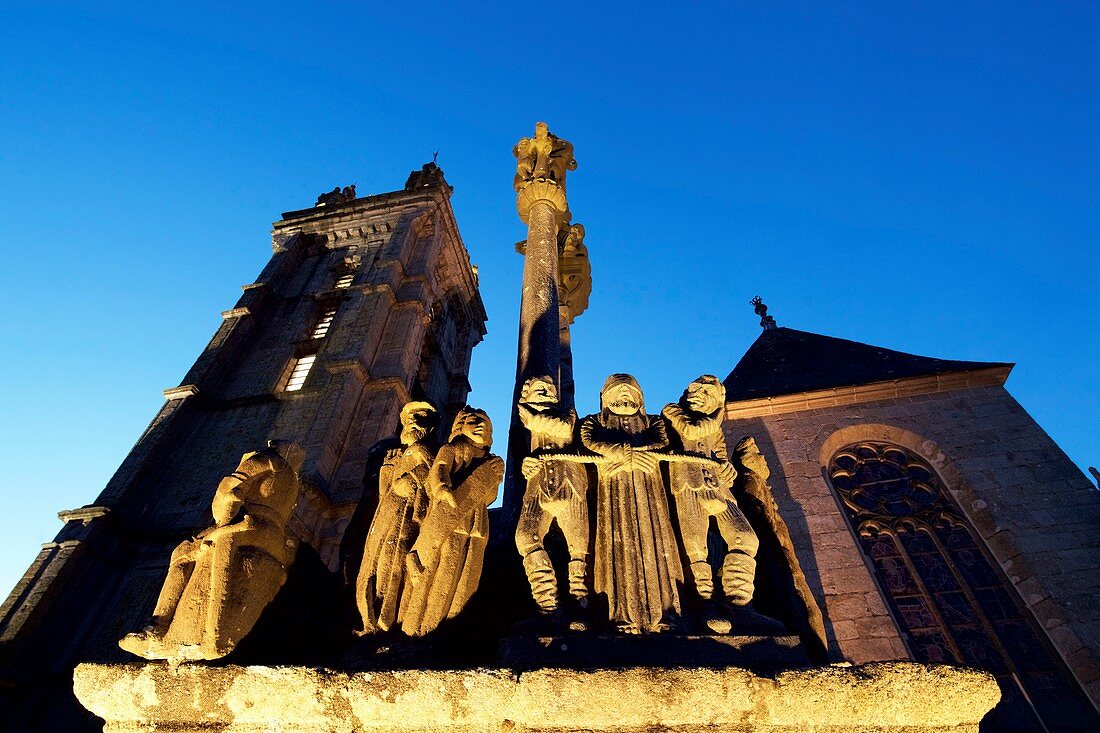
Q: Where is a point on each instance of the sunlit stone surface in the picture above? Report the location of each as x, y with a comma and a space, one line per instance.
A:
892, 696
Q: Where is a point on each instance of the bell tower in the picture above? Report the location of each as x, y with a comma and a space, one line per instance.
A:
367, 302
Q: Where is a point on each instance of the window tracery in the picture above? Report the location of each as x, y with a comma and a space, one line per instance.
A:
952, 604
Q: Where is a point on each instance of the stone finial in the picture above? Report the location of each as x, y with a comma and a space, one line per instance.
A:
766, 322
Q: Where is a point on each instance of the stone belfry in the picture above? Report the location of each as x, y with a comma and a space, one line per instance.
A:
367, 302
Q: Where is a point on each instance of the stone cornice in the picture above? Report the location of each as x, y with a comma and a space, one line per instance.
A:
83, 514
390, 383
839, 396
354, 219
181, 392
355, 366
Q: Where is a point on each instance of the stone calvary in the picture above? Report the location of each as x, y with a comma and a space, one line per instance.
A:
638, 576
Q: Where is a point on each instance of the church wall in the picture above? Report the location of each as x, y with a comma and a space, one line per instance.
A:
1033, 508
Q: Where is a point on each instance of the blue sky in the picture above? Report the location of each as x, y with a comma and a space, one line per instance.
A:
917, 176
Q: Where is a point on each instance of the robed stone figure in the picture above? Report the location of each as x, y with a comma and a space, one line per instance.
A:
444, 565
637, 561
402, 504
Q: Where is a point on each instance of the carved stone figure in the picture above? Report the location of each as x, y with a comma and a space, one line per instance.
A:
444, 565
637, 561
337, 196
556, 493
402, 504
543, 157
219, 583
702, 495
429, 175
779, 576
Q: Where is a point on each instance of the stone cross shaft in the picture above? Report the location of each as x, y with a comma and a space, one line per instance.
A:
539, 343
541, 165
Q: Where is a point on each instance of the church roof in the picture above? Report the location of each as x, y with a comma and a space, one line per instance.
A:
787, 361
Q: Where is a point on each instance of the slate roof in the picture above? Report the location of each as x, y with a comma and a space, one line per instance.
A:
787, 361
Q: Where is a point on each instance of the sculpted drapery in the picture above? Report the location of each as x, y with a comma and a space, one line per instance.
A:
402, 504
445, 562
637, 561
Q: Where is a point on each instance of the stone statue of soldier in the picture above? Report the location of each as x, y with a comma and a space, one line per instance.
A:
219, 583
702, 493
555, 494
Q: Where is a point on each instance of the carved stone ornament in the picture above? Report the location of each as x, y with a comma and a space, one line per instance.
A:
781, 569
556, 493
337, 196
702, 496
574, 271
402, 504
444, 565
428, 176
219, 583
541, 165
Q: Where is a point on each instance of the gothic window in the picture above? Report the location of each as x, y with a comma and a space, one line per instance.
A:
344, 280
951, 602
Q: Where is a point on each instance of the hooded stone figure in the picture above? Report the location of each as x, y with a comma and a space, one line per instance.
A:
636, 561
702, 495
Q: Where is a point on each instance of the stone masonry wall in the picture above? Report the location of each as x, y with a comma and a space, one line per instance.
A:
1035, 510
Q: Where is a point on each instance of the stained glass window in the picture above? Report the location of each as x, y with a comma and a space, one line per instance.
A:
951, 602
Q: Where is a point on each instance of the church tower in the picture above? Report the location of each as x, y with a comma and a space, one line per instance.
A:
367, 302
935, 520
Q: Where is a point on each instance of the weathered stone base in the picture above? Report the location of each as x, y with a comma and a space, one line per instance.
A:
892, 696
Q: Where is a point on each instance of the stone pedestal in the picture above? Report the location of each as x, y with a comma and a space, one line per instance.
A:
894, 696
